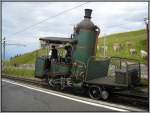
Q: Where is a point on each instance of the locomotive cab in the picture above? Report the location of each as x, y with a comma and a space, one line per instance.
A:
55, 71
45, 65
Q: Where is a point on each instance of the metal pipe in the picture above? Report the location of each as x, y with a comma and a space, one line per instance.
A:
97, 34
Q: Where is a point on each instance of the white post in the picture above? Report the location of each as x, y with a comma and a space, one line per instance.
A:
104, 46
4, 44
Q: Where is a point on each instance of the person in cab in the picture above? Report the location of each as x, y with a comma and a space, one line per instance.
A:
54, 54
68, 55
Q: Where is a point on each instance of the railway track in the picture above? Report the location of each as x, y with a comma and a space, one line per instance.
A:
26, 80
117, 99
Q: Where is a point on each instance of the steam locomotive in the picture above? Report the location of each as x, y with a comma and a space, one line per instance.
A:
83, 70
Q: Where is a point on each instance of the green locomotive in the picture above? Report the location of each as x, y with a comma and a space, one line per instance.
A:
81, 69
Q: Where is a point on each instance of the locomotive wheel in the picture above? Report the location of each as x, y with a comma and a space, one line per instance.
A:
104, 95
50, 83
53, 85
95, 92
57, 87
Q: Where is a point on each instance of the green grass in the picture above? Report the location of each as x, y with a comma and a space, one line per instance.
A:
28, 58
138, 40
24, 73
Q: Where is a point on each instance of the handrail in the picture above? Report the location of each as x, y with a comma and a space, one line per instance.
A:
125, 58
127, 66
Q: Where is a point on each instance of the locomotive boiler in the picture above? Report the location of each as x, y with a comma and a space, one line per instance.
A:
86, 36
82, 69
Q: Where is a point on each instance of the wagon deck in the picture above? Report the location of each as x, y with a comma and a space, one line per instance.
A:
105, 81
109, 81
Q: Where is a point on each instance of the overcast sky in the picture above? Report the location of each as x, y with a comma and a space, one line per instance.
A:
111, 17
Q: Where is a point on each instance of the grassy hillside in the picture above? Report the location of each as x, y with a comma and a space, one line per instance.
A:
28, 58
138, 39
25, 73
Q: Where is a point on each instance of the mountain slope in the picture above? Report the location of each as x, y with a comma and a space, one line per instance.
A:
137, 39
28, 58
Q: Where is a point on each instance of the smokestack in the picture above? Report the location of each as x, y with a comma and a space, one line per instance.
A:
88, 13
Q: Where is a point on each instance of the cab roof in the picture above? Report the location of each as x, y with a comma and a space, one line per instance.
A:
56, 40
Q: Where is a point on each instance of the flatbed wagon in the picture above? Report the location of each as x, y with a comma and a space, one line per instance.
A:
125, 79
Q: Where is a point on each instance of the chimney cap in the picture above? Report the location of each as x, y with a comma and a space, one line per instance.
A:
88, 13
